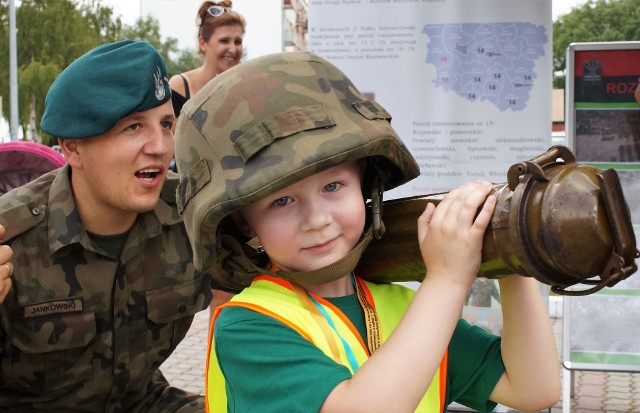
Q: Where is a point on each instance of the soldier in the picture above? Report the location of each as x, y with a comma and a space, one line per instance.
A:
482, 291
104, 287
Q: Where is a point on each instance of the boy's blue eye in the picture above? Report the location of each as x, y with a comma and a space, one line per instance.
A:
332, 187
281, 201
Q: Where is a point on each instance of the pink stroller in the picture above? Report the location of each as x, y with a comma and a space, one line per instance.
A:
23, 161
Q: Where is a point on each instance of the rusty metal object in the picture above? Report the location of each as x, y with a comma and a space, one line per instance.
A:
555, 220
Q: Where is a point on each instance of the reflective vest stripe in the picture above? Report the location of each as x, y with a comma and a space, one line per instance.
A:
443, 379
348, 323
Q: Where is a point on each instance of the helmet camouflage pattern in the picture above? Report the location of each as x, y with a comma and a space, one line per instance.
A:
266, 124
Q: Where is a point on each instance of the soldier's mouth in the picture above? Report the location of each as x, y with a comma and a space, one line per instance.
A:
148, 175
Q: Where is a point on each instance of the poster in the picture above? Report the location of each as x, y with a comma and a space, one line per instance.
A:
600, 331
604, 124
467, 82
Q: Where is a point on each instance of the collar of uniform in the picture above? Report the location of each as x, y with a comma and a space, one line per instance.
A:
65, 227
148, 225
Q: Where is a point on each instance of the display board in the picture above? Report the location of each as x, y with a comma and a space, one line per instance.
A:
468, 82
602, 330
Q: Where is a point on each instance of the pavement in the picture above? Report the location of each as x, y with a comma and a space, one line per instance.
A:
185, 367
592, 391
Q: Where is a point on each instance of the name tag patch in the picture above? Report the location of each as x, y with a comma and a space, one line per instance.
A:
53, 307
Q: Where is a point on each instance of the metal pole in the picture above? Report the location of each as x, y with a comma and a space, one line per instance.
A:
13, 73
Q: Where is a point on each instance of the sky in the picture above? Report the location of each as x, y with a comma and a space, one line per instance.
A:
560, 7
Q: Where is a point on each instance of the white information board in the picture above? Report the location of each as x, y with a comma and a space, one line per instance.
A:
468, 82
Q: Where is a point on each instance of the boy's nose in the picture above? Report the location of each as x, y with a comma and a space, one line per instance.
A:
315, 216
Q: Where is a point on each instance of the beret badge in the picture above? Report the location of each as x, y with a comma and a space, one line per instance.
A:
160, 81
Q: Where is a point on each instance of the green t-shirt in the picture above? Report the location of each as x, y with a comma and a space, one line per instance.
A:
270, 368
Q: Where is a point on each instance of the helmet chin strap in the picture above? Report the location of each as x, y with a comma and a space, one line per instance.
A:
331, 272
376, 212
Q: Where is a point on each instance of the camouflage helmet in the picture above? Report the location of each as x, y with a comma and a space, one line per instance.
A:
264, 125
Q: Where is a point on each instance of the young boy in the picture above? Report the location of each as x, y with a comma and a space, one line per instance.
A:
281, 149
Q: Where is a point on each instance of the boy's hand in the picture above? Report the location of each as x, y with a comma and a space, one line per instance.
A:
450, 234
6, 268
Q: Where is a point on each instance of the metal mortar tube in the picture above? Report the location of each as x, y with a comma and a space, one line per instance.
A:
557, 221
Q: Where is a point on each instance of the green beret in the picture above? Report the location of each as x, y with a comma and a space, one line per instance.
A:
103, 86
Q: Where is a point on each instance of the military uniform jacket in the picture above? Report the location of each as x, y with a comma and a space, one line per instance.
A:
84, 331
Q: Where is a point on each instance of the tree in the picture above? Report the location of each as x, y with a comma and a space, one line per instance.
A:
148, 29
186, 60
594, 21
53, 33
50, 35
34, 80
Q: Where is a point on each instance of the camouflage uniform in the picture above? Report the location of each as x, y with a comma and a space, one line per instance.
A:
481, 292
85, 331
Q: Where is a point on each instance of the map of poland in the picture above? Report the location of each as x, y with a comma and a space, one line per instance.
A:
486, 61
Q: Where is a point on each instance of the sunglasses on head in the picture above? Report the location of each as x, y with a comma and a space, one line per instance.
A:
217, 11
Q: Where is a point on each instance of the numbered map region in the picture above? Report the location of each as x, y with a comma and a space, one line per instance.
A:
492, 62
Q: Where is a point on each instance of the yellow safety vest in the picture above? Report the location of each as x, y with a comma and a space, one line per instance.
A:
276, 298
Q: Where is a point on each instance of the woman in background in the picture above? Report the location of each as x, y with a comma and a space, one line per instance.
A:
220, 32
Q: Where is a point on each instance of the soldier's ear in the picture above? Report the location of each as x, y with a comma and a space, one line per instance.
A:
69, 149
